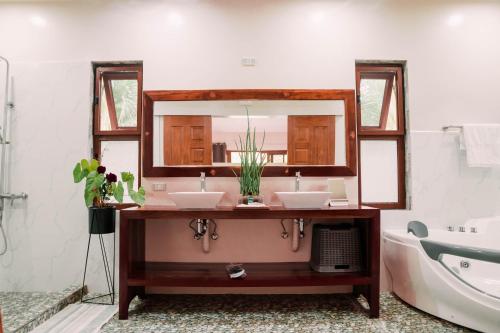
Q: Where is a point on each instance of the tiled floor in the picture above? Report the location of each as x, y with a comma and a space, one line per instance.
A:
273, 313
22, 311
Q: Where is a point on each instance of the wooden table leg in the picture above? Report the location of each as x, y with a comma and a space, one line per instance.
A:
1, 325
374, 300
374, 289
124, 268
132, 257
137, 253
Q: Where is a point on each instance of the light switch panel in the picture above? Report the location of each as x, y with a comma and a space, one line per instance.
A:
248, 61
159, 187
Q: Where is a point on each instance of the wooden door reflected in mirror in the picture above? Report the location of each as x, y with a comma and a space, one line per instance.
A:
187, 140
311, 140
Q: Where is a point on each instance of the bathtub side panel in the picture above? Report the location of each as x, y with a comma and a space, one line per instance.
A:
428, 286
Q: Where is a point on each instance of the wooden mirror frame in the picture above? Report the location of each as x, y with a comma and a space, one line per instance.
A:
248, 94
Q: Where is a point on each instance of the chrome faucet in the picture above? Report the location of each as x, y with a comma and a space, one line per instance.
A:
297, 181
203, 182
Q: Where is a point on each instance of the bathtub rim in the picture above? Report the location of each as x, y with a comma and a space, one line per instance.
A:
404, 238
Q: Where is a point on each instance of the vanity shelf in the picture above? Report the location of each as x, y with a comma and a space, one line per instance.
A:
259, 275
136, 274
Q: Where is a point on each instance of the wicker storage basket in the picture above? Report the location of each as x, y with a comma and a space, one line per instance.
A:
335, 249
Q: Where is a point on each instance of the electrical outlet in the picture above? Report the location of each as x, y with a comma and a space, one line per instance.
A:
159, 187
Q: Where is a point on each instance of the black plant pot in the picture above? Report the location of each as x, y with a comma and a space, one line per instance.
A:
101, 220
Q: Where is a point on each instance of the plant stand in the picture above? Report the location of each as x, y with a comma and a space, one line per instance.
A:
110, 275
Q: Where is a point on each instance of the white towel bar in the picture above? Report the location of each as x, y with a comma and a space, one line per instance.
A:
445, 128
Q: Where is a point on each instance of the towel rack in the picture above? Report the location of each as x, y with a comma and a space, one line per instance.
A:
445, 128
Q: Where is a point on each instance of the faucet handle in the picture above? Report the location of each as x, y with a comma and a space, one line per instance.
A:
202, 174
297, 174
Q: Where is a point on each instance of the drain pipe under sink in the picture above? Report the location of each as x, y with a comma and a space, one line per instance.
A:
205, 241
297, 233
202, 232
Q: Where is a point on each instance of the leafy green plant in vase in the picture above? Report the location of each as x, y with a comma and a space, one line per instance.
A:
252, 163
100, 188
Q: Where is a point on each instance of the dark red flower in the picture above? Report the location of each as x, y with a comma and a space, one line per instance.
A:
111, 178
101, 169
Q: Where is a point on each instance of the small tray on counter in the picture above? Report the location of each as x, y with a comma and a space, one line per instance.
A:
251, 207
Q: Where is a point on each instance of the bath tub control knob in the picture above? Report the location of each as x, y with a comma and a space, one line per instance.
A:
464, 264
461, 228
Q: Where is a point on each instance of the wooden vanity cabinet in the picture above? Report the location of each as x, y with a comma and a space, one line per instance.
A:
136, 273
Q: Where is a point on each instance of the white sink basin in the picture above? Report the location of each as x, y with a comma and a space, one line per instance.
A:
312, 199
196, 200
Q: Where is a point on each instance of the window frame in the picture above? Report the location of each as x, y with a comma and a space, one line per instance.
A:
387, 72
365, 133
108, 72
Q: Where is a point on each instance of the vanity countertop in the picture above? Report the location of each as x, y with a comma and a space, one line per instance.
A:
164, 211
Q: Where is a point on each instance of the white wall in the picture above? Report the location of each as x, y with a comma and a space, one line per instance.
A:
453, 74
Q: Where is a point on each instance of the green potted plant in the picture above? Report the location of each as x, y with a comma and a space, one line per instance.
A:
252, 163
100, 188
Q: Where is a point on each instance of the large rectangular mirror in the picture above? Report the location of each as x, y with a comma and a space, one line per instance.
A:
187, 132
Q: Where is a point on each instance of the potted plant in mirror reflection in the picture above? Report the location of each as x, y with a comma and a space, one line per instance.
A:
252, 163
100, 189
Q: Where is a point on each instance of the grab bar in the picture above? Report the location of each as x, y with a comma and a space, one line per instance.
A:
435, 249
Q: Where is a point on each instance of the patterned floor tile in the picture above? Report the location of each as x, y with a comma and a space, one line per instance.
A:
273, 313
22, 311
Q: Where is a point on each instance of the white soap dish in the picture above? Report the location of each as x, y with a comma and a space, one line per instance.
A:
338, 202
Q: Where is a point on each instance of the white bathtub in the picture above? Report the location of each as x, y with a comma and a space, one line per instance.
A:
457, 278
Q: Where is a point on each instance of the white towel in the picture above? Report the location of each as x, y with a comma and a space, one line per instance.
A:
482, 144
